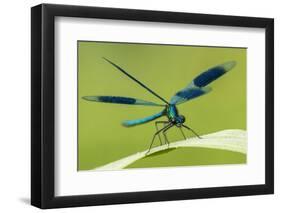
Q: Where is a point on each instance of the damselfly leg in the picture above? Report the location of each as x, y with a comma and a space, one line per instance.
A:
156, 126
183, 133
159, 131
191, 131
164, 133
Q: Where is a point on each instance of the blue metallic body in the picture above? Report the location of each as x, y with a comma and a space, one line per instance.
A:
142, 120
173, 115
171, 112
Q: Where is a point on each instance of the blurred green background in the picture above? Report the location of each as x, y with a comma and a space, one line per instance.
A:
165, 69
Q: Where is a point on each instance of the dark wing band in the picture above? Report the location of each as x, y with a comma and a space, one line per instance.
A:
120, 100
189, 94
212, 74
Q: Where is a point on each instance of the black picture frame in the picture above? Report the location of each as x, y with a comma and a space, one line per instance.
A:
43, 102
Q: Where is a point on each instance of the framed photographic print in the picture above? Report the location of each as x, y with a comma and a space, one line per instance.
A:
140, 106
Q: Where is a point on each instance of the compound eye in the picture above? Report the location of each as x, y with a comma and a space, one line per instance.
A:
182, 118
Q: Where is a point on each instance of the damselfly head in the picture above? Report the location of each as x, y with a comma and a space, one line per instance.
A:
180, 120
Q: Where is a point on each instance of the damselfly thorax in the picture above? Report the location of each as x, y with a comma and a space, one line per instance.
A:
173, 115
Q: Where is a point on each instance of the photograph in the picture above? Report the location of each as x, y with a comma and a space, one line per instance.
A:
134, 105
153, 105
